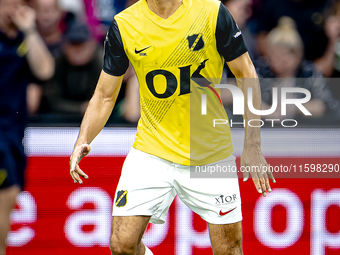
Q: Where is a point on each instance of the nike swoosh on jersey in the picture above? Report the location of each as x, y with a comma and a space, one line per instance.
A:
225, 213
237, 34
139, 51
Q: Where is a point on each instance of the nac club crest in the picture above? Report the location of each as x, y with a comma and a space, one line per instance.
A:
121, 198
196, 42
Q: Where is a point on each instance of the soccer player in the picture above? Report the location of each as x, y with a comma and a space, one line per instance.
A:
23, 55
178, 50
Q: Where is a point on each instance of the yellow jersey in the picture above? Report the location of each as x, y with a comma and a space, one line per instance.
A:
177, 61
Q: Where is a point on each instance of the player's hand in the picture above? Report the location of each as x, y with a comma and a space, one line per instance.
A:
78, 153
24, 18
254, 163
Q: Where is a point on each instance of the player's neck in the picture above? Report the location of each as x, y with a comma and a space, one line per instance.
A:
164, 8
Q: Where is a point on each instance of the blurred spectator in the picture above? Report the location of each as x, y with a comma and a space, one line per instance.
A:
330, 62
49, 16
34, 93
77, 72
285, 61
23, 55
72, 10
241, 10
308, 15
48, 20
100, 14
74, 6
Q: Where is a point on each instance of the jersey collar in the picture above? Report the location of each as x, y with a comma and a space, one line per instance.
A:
165, 22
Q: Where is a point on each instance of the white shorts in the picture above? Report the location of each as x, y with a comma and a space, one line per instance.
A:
149, 184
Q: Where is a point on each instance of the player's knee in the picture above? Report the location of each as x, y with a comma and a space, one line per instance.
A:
122, 246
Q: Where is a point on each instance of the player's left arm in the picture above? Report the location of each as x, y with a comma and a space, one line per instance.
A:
231, 47
252, 156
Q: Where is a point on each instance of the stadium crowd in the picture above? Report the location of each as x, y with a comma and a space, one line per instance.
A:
293, 43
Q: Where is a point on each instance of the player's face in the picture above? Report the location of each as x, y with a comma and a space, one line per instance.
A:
7, 10
283, 61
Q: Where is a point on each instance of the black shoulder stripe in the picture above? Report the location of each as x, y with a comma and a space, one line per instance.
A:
115, 60
229, 37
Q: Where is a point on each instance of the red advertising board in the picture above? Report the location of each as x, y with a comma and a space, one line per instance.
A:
56, 216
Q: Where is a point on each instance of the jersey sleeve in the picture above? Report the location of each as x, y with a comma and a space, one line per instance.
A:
115, 60
229, 37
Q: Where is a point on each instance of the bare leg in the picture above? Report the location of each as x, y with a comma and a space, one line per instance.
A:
127, 233
7, 202
226, 239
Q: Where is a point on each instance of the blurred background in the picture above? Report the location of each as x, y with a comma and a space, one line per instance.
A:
293, 43
286, 39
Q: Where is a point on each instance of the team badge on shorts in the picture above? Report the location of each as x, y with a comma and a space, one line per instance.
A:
121, 198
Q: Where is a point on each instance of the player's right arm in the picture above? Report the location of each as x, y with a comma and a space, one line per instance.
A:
95, 118
101, 104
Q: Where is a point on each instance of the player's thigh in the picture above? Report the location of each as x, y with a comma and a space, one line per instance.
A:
127, 233
145, 187
216, 200
226, 239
